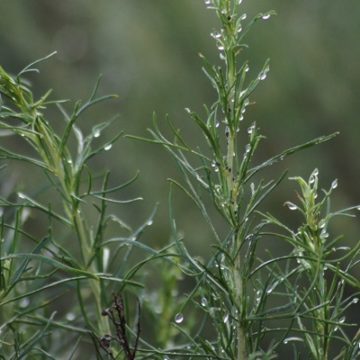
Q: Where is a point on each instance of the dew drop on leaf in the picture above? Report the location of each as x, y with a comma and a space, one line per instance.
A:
334, 184
21, 195
291, 206
179, 318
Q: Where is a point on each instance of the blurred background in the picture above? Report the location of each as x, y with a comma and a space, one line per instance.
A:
148, 51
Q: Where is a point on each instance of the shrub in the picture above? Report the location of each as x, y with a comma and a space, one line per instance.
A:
244, 302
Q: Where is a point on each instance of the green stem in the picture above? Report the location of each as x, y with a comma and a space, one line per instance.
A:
103, 326
71, 208
241, 348
321, 324
241, 352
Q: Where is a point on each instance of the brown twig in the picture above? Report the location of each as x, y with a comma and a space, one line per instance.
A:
117, 315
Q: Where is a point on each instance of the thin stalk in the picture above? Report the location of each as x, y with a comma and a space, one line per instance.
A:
47, 146
231, 156
103, 326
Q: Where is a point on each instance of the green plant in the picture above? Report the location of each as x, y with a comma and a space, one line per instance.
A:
79, 271
244, 304
244, 296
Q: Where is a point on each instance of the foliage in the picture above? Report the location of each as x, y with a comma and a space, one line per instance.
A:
244, 302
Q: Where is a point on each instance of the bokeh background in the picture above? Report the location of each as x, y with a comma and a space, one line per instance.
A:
147, 51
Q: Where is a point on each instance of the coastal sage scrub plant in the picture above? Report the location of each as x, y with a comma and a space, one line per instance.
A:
73, 283
256, 305
74, 262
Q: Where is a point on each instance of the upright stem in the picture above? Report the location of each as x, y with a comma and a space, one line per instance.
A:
71, 208
321, 318
241, 351
103, 326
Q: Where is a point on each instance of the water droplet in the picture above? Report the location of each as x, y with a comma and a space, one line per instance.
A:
322, 224
243, 16
21, 195
70, 316
324, 234
132, 238
107, 147
226, 318
334, 184
240, 2
25, 302
217, 124
204, 301
262, 76
97, 133
291, 206
266, 16
149, 222
342, 320
355, 300
216, 169
264, 72
216, 35
358, 208
251, 129
247, 68
188, 110
69, 161
221, 47
179, 318
247, 148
